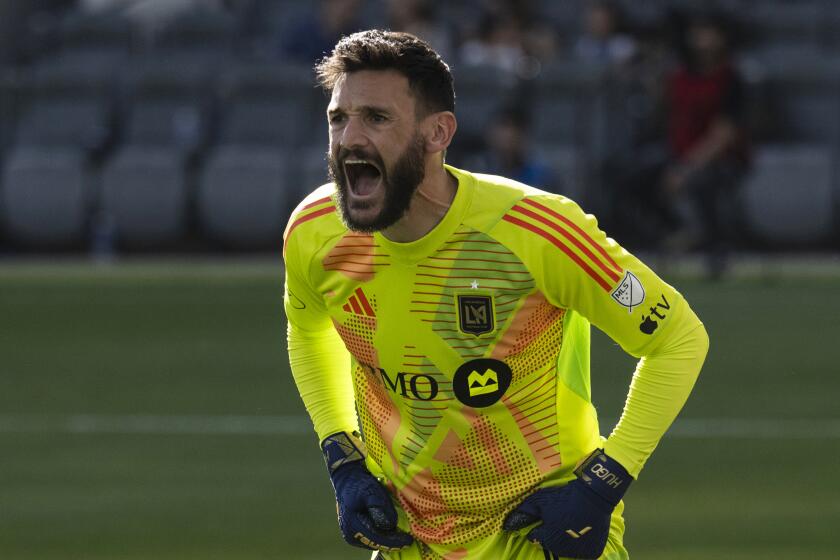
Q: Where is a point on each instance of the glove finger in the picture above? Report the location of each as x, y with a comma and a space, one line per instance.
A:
381, 519
380, 509
524, 514
373, 538
518, 519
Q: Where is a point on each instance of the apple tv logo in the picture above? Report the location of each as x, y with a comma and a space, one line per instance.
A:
648, 323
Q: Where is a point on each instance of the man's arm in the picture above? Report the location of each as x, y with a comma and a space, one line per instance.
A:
320, 366
320, 363
595, 277
321, 369
663, 379
583, 270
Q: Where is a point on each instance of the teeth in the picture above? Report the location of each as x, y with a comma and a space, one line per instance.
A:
357, 161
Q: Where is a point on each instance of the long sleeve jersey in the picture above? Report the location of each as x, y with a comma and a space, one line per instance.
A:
463, 356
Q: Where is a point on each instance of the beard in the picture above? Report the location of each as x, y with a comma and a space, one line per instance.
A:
399, 181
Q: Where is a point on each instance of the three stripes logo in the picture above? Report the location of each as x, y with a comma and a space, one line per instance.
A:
358, 304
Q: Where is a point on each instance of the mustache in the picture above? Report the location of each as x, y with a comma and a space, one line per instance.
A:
344, 153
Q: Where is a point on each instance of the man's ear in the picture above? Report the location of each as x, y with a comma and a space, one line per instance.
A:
441, 129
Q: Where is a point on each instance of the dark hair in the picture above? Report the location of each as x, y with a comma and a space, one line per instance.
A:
429, 78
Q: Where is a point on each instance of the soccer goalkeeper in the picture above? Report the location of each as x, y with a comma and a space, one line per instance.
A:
439, 326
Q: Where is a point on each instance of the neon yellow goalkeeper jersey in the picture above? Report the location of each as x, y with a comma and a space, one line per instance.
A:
469, 348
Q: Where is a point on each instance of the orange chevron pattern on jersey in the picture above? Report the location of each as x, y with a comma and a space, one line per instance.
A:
356, 256
501, 451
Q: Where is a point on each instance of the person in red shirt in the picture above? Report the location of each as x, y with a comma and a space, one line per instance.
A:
678, 189
706, 139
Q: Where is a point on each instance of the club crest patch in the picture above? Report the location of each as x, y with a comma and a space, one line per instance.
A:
630, 292
475, 314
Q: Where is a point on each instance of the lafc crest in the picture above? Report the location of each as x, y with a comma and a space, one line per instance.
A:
475, 314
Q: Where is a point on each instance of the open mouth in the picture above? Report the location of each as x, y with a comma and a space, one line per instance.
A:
363, 176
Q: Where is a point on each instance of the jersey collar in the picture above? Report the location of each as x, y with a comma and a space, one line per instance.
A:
419, 249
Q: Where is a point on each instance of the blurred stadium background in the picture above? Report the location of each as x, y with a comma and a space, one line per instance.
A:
150, 153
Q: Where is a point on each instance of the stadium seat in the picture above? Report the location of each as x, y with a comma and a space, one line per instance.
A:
169, 105
45, 197
804, 93
8, 103
243, 199
311, 171
788, 197
269, 105
201, 37
565, 104
144, 193
788, 23
62, 107
91, 42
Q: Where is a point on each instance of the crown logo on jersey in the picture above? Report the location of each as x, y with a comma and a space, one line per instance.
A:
483, 383
358, 304
477, 389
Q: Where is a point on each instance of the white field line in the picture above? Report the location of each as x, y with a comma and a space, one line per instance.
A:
148, 424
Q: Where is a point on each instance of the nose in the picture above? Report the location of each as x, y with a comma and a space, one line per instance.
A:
353, 135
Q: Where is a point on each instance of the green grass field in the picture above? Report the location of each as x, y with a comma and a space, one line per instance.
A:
147, 412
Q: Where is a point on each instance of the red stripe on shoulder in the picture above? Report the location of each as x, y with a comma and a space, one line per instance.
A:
304, 219
562, 231
560, 245
317, 202
577, 228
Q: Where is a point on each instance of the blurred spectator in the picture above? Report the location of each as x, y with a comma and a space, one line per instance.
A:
511, 36
682, 192
419, 17
499, 42
602, 40
508, 152
310, 38
706, 137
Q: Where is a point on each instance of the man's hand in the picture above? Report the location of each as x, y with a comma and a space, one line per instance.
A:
366, 516
575, 517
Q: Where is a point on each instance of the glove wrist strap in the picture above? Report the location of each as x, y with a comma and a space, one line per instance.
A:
341, 448
605, 476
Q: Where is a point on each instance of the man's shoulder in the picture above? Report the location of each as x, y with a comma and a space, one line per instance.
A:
497, 196
315, 218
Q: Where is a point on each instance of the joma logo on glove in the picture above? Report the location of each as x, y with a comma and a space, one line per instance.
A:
604, 474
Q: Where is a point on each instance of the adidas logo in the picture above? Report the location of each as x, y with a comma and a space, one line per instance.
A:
358, 304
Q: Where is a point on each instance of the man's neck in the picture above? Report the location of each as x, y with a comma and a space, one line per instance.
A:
429, 205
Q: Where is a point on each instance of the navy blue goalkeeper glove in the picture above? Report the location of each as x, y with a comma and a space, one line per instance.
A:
575, 517
366, 516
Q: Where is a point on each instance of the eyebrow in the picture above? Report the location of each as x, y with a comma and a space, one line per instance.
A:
364, 109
